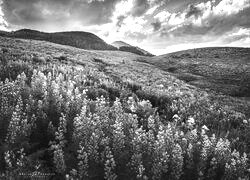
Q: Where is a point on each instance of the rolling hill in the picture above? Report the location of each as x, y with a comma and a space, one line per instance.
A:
79, 39
62, 105
221, 69
222, 72
122, 46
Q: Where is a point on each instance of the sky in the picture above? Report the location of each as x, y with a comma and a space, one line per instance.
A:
159, 26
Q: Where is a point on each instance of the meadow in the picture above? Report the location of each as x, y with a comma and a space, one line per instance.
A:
81, 114
219, 69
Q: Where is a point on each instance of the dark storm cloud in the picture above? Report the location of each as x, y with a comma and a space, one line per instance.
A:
42, 13
215, 24
30, 12
176, 5
193, 11
220, 25
120, 20
95, 12
140, 7
16, 11
156, 25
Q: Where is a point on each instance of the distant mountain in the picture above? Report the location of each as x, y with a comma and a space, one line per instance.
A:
79, 39
122, 46
119, 44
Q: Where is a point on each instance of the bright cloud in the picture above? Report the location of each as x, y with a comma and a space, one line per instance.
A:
228, 7
3, 22
163, 16
151, 10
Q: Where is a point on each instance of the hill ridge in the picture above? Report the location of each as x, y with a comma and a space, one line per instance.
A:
79, 39
123, 46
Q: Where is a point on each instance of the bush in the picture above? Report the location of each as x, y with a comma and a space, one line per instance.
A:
37, 59
13, 69
62, 58
94, 93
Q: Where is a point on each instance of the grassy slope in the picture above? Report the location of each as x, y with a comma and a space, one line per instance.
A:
224, 70
123, 67
122, 64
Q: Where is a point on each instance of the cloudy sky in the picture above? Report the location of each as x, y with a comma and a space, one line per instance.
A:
159, 26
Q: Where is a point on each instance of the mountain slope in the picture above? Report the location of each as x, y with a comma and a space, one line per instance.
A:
123, 46
222, 69
83, 40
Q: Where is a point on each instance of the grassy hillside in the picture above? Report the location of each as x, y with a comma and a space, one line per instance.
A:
84, 40
222, 69
86, 114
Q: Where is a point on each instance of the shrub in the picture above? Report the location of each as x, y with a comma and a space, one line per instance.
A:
38, 59
13, 69
94, 93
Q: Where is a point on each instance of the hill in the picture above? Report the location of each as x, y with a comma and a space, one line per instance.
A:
119, 44
87, 114
222, 69
122, 46
79, 39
